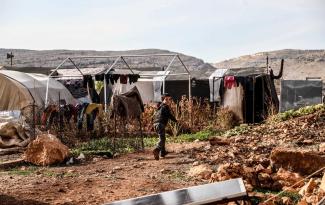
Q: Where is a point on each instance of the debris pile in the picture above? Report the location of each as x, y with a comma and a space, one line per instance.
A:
273, 157
13, 134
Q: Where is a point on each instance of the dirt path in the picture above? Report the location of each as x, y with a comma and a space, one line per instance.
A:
99, 180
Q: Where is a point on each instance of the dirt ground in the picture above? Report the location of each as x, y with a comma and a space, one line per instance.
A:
99, 180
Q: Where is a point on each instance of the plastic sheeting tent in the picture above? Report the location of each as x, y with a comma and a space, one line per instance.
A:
18, 90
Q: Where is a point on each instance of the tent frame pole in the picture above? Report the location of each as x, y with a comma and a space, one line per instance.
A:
122, 57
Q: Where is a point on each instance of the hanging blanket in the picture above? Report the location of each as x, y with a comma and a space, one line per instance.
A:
129, 104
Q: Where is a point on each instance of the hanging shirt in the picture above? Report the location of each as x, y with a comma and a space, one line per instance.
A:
123, 79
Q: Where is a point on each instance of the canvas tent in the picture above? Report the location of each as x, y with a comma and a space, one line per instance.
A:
18, 90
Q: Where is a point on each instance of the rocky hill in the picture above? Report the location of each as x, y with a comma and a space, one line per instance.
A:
49, 59
298, 64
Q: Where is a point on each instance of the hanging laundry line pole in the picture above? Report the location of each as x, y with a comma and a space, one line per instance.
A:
105, 82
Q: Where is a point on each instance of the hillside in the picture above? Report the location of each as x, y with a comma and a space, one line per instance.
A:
299, 64
49, 59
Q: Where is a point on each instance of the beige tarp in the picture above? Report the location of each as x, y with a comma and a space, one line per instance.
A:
21, 89
13, 95
233, 100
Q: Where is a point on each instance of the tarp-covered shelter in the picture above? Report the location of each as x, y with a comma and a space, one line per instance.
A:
299, 93
249, 92
18, 90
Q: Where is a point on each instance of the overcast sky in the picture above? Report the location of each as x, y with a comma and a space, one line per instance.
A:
208, 29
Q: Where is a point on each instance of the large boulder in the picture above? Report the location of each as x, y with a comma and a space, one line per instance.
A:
302, 161
45, 150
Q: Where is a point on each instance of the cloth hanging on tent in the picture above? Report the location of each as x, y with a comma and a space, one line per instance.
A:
133, 78
92, 106
123, 79
214, 85
87, 79
129, 104
81, 115
233, 100
215, 81
157, 84
112, 78
99, 77
229, 82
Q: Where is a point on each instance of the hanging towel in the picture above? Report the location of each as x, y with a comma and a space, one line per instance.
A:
99, 77
214, 85
229, 82
133, 78
215, 81
123, 79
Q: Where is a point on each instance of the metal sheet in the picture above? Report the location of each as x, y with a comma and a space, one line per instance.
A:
300, 93
201, 194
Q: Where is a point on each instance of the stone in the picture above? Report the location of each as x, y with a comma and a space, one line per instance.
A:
117, 168
287, 178
219, 141
313, 199
286, 200
196, 163
164, 171
304, 162
308, 142
322, 184
308, 188
302, 202
70, 171
46, 150
259, 168
321, 147
202, 171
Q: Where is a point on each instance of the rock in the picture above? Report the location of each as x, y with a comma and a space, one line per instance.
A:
196, 163
302, 202
45, 150
308, 188
259, 168
301, 161
308, 142
287, 178
322, 147
286, 200
322, 184
249, 187
219, 141
70, 171
265, 180
313, 199
164, 171
117, 168
202, 171
97, 159
136, 166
